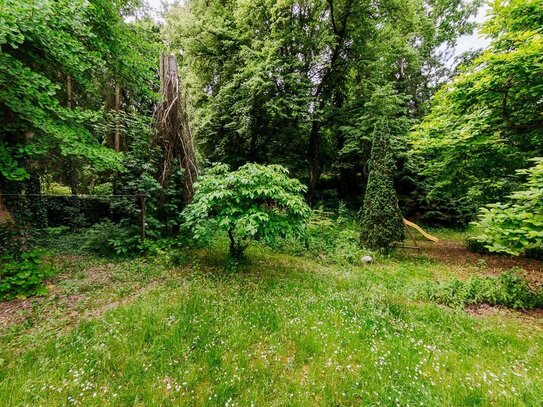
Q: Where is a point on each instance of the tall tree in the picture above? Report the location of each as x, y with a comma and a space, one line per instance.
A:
381, 219
288, 82
43, 44
174, 133
488, 121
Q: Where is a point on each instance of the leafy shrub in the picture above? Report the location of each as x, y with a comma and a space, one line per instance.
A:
516, 227
54, 188
331, 237
142, 163
102, 189
75, 211
108, 238
14, 240
475, 246
23, 275
256, 202
509, 289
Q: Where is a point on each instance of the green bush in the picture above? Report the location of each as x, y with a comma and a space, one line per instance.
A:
14, 240
54, 188
104, 189
475, 246
516, 227
108, 238
256, 202
23, 275
509, 290
76, 211
331, 237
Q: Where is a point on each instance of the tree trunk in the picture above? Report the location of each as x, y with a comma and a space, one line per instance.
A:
314, 159
71, 161
174, 134
117, 136
322, 93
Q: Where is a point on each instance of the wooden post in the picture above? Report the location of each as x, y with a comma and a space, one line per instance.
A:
142, 216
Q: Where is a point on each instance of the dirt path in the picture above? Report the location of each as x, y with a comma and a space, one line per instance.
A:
96, 291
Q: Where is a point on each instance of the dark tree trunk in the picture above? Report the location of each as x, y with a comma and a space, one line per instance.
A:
71, 161
314, 159
322, 94
117, 135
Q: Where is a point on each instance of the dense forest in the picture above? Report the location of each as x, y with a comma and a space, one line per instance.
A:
300, 84
317, 129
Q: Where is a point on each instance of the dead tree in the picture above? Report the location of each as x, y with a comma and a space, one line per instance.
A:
174, 135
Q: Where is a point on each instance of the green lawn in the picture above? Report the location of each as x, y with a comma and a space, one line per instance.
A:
279, 330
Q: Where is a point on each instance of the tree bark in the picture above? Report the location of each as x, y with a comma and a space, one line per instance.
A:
117, 136
72, 162
174, 134
340, 33
314, 159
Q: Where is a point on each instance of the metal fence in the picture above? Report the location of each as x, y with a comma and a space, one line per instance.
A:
49, 210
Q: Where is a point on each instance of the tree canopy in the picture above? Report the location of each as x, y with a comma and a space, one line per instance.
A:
488, 121
58, 63
288, 82
316, 87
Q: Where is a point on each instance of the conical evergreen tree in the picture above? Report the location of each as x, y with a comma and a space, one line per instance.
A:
381, 220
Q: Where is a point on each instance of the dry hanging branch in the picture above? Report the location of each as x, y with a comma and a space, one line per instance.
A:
174, 134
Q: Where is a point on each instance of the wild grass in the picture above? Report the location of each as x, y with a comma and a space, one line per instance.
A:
274, 330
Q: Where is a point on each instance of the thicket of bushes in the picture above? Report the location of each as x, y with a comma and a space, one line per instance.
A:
515, 227
509, 289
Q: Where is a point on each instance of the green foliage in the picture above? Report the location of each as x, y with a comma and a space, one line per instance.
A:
142, 163
104, 189
14, 240
517, 226
23, 275
55, 188
487, 122
47, 44
288, 82
509, 289
333, 238
76, 211
381, 219
111, 239
256, 202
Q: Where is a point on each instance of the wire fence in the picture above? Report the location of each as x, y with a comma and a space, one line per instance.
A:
52, 210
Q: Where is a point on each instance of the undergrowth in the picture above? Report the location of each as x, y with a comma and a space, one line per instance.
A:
333, 238
509, 289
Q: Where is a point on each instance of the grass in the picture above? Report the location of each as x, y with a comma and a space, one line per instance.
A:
277, 330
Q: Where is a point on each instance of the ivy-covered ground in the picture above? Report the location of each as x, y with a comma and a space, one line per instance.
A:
279, 329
